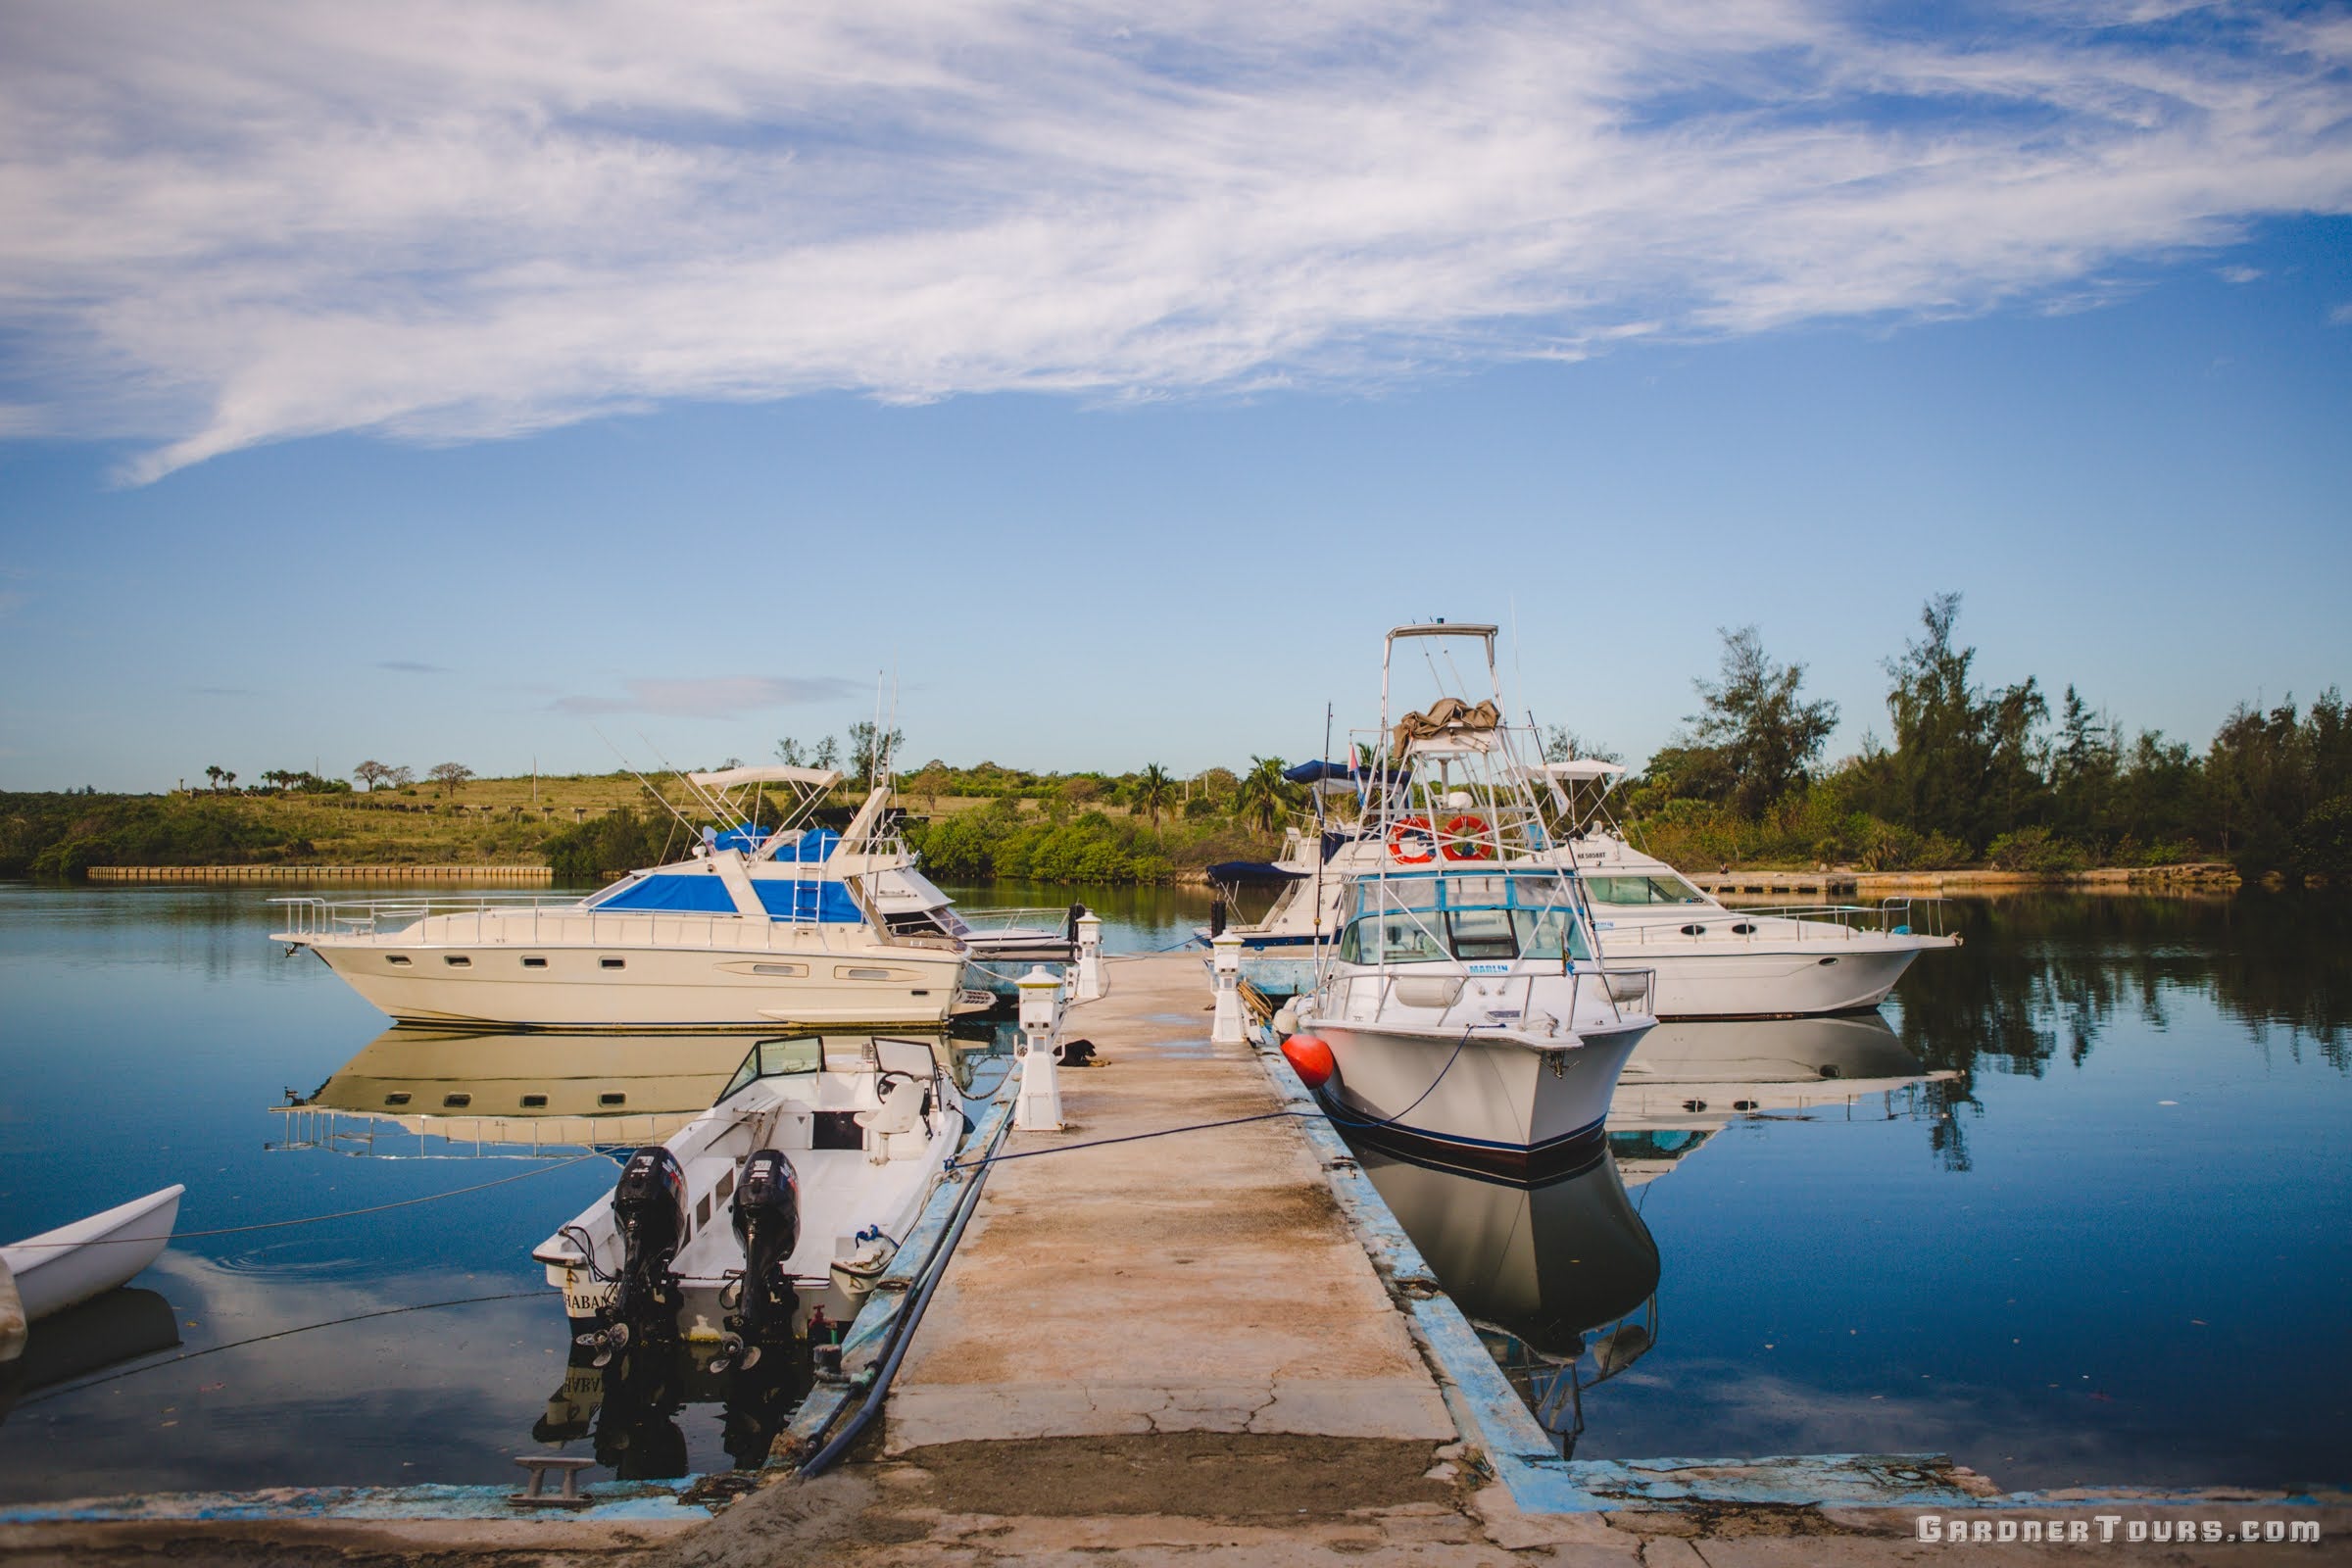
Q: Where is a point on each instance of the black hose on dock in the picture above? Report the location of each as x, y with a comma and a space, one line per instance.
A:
934, 1269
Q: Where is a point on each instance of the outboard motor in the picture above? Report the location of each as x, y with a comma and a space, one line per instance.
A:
649, 1206
767, 1227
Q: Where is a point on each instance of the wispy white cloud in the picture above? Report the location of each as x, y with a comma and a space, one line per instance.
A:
2241, 275
250, 220
713, 696
2341, 316
411, 667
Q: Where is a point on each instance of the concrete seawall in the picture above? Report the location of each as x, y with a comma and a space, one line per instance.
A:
321, 873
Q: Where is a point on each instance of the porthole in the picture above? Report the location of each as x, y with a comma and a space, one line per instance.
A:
1694, 1107
534, 1102
457, 961
614, 1097
1826, 963
535, 963
1744, 1104
613, 964
1694, 930
846, 972
1743, 929
398, 1097
398, 961
456, 1101
780, 969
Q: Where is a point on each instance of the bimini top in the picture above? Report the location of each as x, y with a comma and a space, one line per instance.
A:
1582, 768
726, 779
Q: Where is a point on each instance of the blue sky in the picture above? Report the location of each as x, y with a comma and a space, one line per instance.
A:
457, 392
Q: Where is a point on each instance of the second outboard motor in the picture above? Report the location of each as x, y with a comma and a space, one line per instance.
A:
649, 1207
767, 1227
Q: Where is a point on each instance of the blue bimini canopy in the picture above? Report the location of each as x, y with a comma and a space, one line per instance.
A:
746, 839
817, 843
685, 892
1321, 773
828, 902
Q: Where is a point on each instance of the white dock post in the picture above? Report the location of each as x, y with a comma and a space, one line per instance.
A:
1090, 956
1038, 1108
1226, 1030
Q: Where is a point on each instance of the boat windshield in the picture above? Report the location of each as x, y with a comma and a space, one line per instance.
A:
1658, 888
778, 1059
1474, 917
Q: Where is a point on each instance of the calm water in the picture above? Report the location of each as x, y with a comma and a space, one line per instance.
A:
2087, 1219
2092, 1221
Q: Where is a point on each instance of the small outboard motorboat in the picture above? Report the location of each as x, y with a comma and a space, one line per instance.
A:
818, 1157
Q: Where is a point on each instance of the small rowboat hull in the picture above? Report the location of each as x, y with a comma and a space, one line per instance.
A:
58, 1268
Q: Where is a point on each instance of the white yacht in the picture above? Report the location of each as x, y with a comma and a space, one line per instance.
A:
754, 929
1463, 1007
1711, 962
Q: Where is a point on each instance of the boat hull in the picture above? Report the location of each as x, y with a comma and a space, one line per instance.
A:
75, 1263
650, 987
1483, 1099
1799, 982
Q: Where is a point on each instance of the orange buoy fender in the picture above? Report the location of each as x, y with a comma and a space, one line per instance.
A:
1310, 1059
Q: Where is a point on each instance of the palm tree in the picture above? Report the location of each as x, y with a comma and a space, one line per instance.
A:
1154, 790
1265, 795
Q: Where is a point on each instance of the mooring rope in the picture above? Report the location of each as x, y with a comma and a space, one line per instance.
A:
279, 1334
317, 1219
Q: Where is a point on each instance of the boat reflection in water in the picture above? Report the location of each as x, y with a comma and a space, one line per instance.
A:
1559, 1278
1687, 1081
631, 1408
120, 1325
466, 1091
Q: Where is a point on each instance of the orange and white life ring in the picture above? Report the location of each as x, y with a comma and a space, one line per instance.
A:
1415, 828
1465, 838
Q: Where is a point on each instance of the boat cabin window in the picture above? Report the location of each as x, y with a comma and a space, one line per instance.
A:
778, 1059
1657, 888
1392, 938
1482, 933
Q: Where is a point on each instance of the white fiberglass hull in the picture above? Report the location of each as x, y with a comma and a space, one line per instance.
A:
58, 1268
1758, 982
1488, 1098
484, 973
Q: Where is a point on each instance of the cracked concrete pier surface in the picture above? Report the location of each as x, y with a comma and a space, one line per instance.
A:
1203, 1282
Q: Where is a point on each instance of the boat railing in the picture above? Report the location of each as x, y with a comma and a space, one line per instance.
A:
521, 922
311, 916
1624, 991
487, 1136
1044, 918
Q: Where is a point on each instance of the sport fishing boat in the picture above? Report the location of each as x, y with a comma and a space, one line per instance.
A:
1461, 1010
1711, 962
795, 1186
754, 928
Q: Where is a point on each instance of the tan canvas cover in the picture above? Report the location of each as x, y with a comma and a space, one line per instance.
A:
1446, 716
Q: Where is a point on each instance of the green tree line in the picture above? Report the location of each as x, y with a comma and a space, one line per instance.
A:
1978, 774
